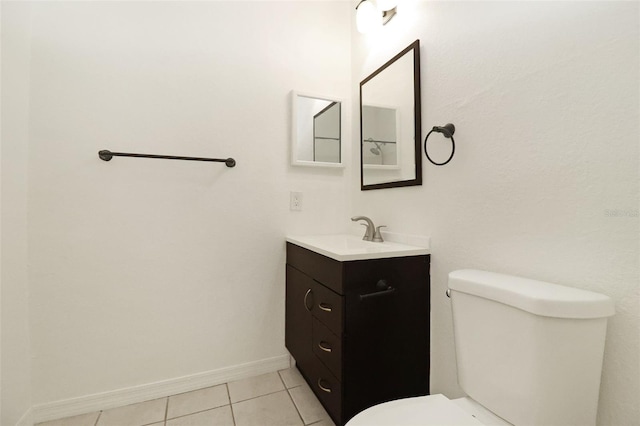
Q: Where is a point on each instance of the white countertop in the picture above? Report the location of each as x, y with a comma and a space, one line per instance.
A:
345, 247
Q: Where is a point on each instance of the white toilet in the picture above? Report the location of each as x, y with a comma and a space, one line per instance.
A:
527, 352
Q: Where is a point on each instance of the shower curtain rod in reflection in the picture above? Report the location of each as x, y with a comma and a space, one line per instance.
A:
107, 155
371, 140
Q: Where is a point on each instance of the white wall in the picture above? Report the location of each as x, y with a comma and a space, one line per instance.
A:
15, 355
145, 270
545, 97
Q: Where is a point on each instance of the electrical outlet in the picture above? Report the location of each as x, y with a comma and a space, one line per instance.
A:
295, 201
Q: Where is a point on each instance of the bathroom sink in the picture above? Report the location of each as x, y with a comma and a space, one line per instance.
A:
345, 247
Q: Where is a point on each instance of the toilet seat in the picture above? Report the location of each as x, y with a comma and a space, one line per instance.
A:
430, 410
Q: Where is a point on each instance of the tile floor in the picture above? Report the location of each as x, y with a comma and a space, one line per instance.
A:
273, 399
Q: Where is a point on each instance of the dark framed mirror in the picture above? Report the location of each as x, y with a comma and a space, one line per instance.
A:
390, 130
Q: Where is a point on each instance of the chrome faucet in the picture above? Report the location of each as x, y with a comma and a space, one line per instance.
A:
372, 233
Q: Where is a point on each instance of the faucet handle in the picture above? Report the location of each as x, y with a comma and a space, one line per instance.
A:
367, 233
377, 236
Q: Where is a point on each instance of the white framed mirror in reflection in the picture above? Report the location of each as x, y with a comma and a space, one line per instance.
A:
381, 133
316, 131
390, 128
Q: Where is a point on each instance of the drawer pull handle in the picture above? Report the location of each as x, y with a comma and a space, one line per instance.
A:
306, 305
388, 292
325, 307
324, 346
327, 390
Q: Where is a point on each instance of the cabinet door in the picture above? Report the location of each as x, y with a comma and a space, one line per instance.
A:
387, 345
298, 332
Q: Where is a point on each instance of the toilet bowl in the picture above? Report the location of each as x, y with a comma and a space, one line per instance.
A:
527, 352
430, 410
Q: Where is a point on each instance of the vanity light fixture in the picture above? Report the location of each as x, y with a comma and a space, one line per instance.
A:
370, 16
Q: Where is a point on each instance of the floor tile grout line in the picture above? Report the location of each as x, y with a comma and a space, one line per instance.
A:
296, 407
166, 416
193, 390
294, 386
291, 398
163, 421
233, 417
328, 417
281, 379
166, 409
259, 396
166, 413
198, 412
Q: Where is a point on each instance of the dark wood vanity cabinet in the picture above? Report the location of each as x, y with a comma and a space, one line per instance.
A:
358, 330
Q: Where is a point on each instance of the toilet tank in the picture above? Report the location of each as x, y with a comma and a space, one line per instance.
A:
529, 351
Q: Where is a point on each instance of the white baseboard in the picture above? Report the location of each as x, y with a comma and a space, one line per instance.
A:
26, 419
116, 398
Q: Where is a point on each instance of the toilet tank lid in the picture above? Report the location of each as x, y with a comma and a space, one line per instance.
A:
538, 297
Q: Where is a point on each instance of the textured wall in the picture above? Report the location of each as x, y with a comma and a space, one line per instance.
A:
146, 270
544, 183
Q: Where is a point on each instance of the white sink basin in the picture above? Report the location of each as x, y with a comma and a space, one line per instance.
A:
344, 247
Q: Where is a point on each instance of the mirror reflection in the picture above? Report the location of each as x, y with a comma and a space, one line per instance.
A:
390, 123
317, 135
326, 134
379, 138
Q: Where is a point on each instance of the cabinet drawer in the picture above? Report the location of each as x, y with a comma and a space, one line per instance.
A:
328, 307
328, 389
328, 348
323, 269
399, 272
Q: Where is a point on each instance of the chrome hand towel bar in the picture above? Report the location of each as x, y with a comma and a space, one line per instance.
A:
107, 155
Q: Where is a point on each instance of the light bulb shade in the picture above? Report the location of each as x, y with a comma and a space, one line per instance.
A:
367, 16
